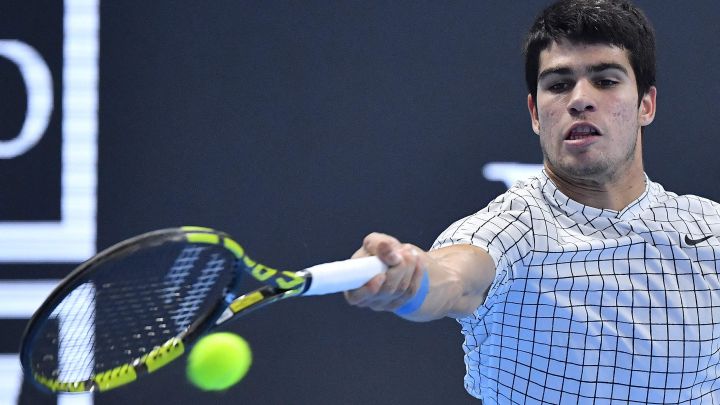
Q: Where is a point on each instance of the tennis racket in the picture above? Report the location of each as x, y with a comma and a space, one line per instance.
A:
136, 306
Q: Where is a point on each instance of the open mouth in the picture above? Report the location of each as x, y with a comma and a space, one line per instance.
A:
581, 132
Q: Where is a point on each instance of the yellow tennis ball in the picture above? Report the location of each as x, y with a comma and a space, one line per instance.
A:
218, 361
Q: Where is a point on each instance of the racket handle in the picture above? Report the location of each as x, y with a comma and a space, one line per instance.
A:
344, 275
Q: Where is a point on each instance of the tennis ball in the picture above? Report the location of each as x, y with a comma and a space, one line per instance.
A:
218, 361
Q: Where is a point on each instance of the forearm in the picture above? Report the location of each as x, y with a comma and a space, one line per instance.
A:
459, 278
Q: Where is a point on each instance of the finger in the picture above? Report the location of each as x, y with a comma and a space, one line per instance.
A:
389, 253
398, 279
409, 291
413, 283
360, 253
364, 295
370, 244
375, 239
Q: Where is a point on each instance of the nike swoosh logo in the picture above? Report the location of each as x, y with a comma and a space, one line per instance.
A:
693, 242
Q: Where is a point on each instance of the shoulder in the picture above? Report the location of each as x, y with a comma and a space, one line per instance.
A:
520, 197
697, 205
693, 211
507, 217
685, 203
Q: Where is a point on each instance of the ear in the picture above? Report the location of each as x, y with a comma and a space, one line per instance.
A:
532, 108
646, 113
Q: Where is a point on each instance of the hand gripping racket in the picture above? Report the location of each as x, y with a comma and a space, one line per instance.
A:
135, 307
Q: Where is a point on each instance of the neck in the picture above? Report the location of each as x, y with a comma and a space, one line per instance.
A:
614, 194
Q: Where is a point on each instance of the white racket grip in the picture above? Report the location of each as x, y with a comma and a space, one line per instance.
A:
344, 275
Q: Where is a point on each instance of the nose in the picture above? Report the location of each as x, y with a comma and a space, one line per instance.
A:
581, 98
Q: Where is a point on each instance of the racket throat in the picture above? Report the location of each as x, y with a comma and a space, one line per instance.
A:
259, 298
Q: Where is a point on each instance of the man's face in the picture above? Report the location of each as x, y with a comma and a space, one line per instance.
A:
587, 112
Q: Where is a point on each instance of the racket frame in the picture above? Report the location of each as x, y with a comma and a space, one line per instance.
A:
230, 307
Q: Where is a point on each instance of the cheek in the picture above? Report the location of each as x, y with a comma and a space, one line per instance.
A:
547, 121
621, 113
625, 113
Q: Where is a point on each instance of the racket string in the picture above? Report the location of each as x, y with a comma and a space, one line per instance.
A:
75, 331
179, 272
187, 310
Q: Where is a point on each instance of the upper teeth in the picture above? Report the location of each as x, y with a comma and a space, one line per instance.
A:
584, 129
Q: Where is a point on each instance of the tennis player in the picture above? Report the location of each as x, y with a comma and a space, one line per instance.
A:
589, 283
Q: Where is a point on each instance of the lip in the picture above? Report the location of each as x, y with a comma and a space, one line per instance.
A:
584, 141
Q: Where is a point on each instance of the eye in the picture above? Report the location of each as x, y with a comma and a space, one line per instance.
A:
604, 83
559, 87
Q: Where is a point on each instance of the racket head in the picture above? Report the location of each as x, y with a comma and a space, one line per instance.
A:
131, 309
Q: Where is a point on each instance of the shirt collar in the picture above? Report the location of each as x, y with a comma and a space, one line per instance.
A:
575, 209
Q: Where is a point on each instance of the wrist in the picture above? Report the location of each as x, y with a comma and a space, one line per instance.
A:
414, 303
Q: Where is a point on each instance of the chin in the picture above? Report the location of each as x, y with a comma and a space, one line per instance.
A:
585, 170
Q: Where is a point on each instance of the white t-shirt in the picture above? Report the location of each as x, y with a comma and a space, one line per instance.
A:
594, 305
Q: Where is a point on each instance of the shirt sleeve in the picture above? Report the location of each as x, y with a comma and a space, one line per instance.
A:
502, 229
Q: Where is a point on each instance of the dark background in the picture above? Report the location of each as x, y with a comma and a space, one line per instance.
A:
299, 127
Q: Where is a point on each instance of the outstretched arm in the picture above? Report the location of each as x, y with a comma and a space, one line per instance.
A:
459, 278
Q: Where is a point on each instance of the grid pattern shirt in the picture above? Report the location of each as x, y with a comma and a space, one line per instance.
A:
591, 305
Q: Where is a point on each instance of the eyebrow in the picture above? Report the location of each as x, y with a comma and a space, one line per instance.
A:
564, 70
